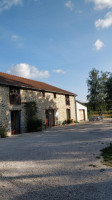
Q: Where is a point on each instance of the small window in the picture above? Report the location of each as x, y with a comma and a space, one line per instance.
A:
55, 95
43, 94
14, 96
67, 100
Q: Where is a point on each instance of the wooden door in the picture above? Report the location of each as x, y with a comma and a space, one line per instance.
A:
15, 122
50, 119
82, 114
68, 114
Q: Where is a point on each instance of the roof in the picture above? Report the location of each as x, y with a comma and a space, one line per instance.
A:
11, 80
83, 104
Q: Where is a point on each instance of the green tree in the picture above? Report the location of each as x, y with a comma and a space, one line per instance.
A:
109, 92
97, 90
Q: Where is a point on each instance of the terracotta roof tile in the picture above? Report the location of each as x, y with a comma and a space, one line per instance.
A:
7, 79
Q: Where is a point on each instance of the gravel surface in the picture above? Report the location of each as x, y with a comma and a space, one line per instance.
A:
56, 164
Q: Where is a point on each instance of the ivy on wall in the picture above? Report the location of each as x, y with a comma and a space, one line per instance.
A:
33, 123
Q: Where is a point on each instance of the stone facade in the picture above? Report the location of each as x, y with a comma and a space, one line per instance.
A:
58, 104
4, 108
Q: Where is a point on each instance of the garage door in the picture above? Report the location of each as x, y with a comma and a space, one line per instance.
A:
82, 115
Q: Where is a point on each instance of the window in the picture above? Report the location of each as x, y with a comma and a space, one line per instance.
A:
43, 94
55, 95
14, 96
67, 100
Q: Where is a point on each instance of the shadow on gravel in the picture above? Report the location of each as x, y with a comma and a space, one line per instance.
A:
31, 164
67, 142
75, 174
97, 191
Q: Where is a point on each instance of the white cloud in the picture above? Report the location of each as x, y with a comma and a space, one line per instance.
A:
15, 37
27, 71
98, 45
60, 71
69, 4
7, 4
101, 4
106, 22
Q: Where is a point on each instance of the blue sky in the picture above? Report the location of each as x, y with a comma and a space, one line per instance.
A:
56, 41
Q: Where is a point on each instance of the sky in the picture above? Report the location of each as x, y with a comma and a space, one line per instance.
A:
56, 41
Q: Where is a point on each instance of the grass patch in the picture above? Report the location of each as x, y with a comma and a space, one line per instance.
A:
107, 155
2, 132
91, 165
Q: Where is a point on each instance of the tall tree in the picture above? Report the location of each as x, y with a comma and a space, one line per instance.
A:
109, 92
97, 89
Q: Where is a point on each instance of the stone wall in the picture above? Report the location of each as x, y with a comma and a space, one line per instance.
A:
49, 102
4, 109
43, 103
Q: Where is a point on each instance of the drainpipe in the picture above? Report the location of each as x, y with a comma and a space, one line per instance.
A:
76, 110
9, 126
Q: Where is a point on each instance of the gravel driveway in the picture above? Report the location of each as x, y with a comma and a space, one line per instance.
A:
56, 164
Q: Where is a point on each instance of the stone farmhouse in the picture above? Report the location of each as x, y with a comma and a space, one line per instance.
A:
54, 104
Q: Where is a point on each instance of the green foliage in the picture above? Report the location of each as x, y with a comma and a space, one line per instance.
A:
105, 113
34, 125
109, 92
31, 109
69, 121
91, 165
97, 90
64, 122
76, 121
107, 155
2, 132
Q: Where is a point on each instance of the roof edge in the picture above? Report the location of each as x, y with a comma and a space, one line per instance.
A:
30, 88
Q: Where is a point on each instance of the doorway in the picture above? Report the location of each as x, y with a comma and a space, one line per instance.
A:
82, 114
50, 118
15, 122
68, 114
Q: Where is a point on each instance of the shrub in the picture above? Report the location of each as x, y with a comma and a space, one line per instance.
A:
69, 121
76, 121
34, 125
64, 122
2, 132
107, 155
